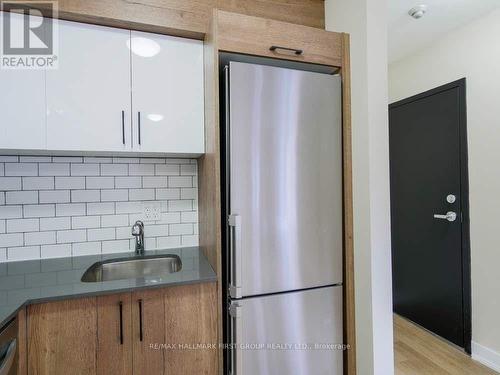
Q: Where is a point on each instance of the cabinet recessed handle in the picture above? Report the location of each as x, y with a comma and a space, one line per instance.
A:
139, 126
294, 50
121, 322
123, 127
140, 320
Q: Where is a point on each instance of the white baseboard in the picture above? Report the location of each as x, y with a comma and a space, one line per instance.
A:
486, 356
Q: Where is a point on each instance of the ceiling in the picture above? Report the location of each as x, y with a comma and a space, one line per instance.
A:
407, 35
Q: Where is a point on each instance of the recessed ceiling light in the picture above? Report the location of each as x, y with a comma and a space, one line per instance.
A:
143, 47
418, 11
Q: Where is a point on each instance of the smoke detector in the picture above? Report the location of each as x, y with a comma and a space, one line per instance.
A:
418, 11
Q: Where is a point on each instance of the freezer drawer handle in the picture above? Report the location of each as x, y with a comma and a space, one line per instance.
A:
235, 243
294, 50
8, 361
236, 329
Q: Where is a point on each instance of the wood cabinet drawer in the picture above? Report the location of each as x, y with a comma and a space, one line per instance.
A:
255, 36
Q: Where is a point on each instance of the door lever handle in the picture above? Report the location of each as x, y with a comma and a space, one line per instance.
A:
450, 216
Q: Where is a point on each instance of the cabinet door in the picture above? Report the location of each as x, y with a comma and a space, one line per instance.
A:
88, 96
167, 94
114, 331
22, 104
191, 320
62, 337
148, 329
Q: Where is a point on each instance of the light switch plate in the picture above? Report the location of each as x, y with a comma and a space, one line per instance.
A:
151, 211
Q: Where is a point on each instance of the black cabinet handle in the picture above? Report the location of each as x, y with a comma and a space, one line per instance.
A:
121, 322
139, 126
294, 50
140, 320
123, 127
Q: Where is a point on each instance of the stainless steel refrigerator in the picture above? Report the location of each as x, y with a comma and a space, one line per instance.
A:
283, 174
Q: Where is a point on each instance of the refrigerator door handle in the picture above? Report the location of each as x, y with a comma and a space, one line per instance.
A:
236, 330
236, 264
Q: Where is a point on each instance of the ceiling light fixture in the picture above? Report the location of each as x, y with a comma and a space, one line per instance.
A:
418, 11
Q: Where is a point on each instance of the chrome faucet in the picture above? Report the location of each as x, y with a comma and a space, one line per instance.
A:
138, 233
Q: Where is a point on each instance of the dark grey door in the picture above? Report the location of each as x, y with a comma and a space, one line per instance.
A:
430, 213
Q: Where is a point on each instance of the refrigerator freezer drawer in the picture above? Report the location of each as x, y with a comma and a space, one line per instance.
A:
297, 333
285, 179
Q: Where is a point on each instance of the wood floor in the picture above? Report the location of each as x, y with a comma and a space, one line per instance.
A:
418, 352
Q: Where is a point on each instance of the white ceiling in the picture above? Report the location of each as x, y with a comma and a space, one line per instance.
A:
407, 35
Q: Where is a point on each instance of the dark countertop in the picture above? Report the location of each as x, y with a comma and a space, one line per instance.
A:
35, 281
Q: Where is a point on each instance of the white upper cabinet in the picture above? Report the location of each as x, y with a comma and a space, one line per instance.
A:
22, 105
88, 96
167, 94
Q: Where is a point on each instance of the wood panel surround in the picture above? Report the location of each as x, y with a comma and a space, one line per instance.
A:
186, 18
231, 32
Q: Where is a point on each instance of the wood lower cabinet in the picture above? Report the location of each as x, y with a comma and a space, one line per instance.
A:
152, 332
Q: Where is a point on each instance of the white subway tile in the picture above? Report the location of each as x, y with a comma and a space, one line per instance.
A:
35, 159
141, 194
52, 169
189, 193
39, 238
39, 210
189, 217
86, 248
180, 229
177, 161
11, 212
81, 222
191, 240
195, 228
141, 170
70, 209
2, 169
101, 208
154, 182
9, 159
168, 193
195, 181
170, 218
128, 207
167, 170
11, 239
114, 169
123, 233
119, 246
98, 160
10, 183
55, 196
101, 234
70, 183
85, 169
3, 255
125, 160
168, 242
56, 251
68, 236
116, 195
156, 230
180, 205
180, 181
189, 170
21, 197
38, 183
21, 169
114, 220
3, 226
132, 218
85, 196
23, 253
23, 225
100, 183
2, 198
128, 182
152, 160
55, 223
149, 244
67, 159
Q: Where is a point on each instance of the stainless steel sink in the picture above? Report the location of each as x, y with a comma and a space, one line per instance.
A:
132, 268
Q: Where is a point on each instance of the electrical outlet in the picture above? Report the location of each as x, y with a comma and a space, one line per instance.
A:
151, 211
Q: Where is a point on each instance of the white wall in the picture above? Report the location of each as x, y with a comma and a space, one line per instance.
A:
472, 52
366, 21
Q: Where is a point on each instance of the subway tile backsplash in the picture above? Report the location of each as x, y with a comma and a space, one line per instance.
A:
70, 206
